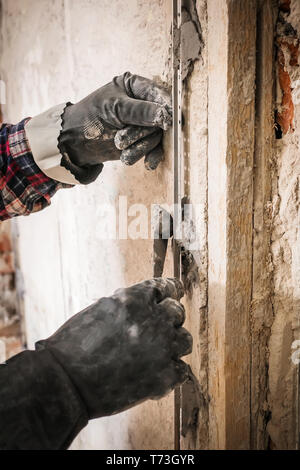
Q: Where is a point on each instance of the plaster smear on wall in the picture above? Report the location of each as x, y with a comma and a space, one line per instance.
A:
285, 249
63, 50
195, 189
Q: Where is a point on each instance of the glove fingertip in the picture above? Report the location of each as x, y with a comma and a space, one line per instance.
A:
119, 141
153, 159
163, 118
129, 159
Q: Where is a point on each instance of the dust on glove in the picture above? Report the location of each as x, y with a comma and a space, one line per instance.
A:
122, 120
126, 348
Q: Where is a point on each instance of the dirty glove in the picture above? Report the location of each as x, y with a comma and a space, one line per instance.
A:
125, 348
121, 120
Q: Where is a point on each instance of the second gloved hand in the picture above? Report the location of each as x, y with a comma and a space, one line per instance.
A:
126, 348
123, 120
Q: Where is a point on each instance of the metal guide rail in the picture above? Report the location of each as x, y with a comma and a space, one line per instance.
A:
177, 162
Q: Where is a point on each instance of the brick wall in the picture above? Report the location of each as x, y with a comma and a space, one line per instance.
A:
10, 331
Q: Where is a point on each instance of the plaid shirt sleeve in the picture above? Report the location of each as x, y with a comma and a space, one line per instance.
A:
24, 188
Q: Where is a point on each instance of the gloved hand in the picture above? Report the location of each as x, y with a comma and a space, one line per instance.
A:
125, 348
122, 120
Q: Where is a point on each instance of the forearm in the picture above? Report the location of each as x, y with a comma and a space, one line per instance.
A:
39, 406
24, 188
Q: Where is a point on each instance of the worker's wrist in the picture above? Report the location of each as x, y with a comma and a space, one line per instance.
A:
72, 146
42, 133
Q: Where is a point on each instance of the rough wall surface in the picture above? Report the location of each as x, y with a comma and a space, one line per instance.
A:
231, 51
195, 188
62, 51
261, 314
239, 160
285, 247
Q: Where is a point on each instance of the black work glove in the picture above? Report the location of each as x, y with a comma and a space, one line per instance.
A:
125, 348
121, 120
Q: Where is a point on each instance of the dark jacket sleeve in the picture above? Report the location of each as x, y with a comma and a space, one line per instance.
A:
39, 406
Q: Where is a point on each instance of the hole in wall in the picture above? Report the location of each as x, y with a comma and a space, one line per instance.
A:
278, 129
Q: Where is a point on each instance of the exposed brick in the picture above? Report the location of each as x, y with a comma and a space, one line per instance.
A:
292, 44
6, 263
285, 115
13, 346
5, 243
285, 6
12, 329
8, 299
